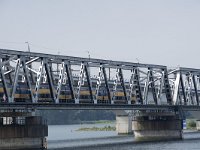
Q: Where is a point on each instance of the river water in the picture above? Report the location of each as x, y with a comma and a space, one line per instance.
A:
66, 137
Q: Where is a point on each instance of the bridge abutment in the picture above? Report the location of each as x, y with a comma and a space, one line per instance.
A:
157, 126
27, 132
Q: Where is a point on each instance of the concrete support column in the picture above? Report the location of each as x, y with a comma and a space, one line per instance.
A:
198, 124
124, 124
157, 127
26, 133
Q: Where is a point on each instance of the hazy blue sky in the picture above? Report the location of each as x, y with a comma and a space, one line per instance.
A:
154, 31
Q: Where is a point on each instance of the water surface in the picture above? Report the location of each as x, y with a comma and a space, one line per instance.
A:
66, 137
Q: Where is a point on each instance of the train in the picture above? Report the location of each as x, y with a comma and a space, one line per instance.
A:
22, 94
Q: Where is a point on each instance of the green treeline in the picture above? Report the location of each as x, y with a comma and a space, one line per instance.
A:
63, 117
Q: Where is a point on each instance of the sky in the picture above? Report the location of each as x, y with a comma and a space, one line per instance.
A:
165, 32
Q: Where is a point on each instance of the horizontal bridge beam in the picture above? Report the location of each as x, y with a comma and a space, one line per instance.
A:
52, 57
186, 70
96, 107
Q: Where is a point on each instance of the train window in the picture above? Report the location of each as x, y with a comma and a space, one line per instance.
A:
68, 92
17, 89
45, 95
84, 96
62, 92
119, 97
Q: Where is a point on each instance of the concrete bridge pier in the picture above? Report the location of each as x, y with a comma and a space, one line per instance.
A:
157, 126
124, 122
21, 130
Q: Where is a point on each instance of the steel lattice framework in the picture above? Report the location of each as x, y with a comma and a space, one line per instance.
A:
152, 85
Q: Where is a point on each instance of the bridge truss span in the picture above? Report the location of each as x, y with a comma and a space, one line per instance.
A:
44, 79
186, 86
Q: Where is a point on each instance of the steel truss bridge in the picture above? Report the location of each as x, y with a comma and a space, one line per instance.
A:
154, 86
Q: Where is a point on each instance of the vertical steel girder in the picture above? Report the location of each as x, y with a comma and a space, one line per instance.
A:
198, 86
195, 89
7, 69
167, 88
51, 72
106, 83
98, 84
87, 73
163, 82
15, 82
152, 84
177, 94
70, 79
80, 82
131, 86
84, 72
5, 87
120, 78
27, 80
183, 90
38, 81
176, 88
50, 82
198, 82
44, 77
137, 88
160, 88
189, 96
146, 88
31, 74
60, 80
115, 86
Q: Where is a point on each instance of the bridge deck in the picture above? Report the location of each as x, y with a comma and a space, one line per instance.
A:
40, 106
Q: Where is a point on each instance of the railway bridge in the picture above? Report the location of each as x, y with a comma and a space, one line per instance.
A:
157, 96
